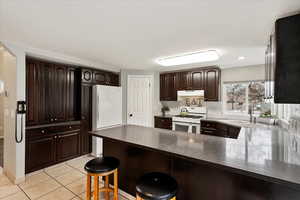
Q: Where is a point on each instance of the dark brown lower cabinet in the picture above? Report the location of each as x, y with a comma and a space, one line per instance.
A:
197, 179
40, 152
163, 122
219, 129
51, 145
68, 146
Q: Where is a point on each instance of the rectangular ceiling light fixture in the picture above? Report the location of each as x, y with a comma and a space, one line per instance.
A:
196, 57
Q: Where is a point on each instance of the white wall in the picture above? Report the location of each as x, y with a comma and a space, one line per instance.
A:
156, 104
14, 154
1, 97
247, 73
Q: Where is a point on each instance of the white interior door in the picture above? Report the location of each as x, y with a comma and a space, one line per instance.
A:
139, 100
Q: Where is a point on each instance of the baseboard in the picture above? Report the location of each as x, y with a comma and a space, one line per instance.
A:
13, 179
126, 195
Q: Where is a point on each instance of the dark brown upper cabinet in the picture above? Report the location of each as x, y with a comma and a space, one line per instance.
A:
168, 90
99, 77
182, 79
212, 84
196, 80
207, 79
287, 67
58, 88
32, 93
51, 92
105, 78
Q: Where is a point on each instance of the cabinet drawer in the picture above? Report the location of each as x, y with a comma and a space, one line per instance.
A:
208, 124
207, 131
42, 132
38, 132
65, 128
162, 122
222, 127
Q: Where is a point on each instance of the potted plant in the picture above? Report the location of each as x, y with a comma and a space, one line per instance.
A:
164, 109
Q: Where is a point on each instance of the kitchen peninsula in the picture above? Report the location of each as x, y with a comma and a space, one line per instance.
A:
262, 163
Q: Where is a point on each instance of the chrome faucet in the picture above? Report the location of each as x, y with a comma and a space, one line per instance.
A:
250, 112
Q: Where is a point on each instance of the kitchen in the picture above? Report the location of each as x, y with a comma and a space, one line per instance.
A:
212, 111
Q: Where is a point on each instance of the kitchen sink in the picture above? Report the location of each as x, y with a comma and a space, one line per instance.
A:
242, 123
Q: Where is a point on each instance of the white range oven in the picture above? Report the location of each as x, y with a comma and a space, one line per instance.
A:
187, 123
192, 111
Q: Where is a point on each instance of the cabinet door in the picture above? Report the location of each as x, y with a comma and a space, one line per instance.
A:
40, 152
44, 96
212, 85
112, 79
67, 146
72, 92
86, 118
182, 80
168, 90
32, 92
87, 76
164, 123
99, 77
58, 93
196, 81
37, 88
287, 71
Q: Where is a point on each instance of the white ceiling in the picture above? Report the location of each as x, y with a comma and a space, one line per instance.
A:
132, 33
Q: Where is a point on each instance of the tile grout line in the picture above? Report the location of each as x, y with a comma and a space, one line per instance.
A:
24, 192
42, 182
61, 184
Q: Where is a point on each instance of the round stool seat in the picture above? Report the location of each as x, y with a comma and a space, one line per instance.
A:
156, 186
102, 165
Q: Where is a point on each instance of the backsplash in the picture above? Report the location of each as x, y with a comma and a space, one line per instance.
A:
213, 108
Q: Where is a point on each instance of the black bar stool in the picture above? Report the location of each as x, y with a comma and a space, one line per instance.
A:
102, 167
156, 186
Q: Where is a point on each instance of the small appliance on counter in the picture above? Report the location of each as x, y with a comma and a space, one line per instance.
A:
191, 112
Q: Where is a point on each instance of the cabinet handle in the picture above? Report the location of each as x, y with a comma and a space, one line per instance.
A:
51, 119
42, 131
55, 119
70, 126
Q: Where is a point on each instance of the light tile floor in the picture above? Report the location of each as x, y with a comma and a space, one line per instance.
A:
65, 181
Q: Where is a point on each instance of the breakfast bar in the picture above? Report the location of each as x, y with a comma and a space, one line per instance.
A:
263, 162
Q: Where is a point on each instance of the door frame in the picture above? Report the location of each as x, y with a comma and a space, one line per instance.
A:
151, 114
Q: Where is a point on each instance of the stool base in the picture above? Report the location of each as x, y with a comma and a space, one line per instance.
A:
106, 187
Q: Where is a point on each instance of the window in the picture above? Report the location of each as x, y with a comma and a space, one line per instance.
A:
239, 96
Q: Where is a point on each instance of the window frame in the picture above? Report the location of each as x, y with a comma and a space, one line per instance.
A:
224, 98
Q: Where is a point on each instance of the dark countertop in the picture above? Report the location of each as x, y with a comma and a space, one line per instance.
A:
266, 152
54, 124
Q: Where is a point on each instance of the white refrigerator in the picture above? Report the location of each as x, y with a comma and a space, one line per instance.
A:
107, 112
